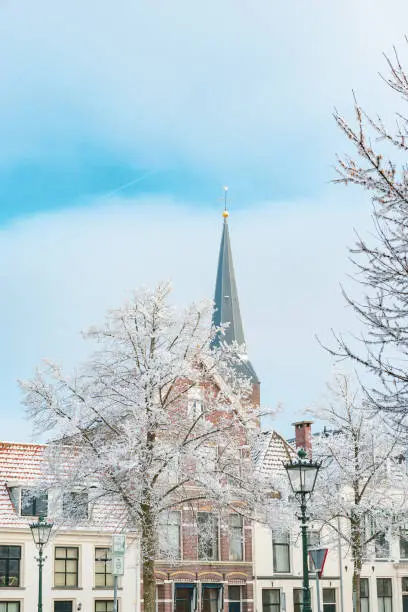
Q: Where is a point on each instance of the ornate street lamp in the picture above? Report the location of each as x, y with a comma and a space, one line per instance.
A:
40, 531
302, 475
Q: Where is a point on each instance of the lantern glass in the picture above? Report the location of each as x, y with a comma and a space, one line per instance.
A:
41, 531
302, 474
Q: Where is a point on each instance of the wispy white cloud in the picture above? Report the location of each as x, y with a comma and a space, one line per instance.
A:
64, 270
231, 88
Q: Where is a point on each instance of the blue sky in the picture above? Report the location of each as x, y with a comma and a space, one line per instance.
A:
175, 100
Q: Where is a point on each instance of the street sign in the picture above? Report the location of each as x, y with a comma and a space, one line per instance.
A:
118, 545
118, 566
318, 557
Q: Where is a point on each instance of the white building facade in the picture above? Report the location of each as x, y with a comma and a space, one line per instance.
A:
278, 576
77, 571
278, 562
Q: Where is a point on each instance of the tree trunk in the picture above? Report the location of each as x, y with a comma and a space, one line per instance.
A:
357, 555
148, 554
356, 587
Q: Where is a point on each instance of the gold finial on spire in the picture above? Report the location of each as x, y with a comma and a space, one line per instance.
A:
225, 212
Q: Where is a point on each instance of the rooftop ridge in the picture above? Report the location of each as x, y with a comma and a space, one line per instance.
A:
35, 444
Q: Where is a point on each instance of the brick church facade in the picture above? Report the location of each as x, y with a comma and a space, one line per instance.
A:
221, 579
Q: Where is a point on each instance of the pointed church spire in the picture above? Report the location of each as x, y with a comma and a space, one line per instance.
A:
226, 302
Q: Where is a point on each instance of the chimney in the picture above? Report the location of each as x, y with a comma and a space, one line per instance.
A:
303, 436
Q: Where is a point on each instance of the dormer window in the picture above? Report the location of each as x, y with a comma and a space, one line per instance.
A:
34, 503
75, 505
29, 502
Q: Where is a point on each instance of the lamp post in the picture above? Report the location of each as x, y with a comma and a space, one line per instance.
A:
40, 531
302, 475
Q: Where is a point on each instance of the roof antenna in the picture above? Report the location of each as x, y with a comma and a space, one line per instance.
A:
225, 213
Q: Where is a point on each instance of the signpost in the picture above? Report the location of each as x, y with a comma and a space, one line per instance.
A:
117, 564
318, 559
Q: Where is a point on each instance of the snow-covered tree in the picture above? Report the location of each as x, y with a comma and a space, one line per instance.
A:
381, 260
156, 419
363, 481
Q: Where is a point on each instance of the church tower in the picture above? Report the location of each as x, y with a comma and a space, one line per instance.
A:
227, 309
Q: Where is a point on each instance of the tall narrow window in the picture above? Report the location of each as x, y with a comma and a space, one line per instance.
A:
211, 599
403, 544
271, 600
185, 598
329, 600
382, 546
169, 535
236, 538
298, 600
66, 566
234, 598
103, 575
364, 595
281, 553
10, 557
384, 594
207, 525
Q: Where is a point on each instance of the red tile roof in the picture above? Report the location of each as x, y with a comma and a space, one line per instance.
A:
23, 464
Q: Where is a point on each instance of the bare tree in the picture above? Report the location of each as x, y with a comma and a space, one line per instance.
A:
158, 418
361, 491
381, 262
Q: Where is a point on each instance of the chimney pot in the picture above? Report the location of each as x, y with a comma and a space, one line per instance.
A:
303, 436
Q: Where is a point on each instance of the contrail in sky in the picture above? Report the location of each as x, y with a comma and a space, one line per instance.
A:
134, 182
